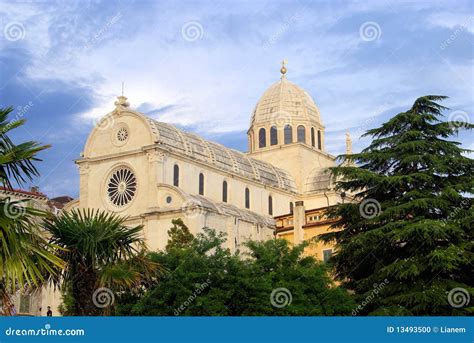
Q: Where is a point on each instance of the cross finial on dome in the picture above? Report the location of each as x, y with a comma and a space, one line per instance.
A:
283, 69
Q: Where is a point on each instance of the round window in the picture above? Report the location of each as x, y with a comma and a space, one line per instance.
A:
122, 134
121, 186
169, 199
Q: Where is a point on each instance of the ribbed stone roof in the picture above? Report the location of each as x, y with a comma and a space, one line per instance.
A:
197, 201
221, 157
284, 102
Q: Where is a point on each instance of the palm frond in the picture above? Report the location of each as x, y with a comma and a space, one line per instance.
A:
16, 161
26, 257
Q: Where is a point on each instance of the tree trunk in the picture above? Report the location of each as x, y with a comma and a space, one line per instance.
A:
6, 304
83, 289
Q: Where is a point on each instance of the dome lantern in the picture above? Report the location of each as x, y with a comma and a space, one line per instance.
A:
285, 114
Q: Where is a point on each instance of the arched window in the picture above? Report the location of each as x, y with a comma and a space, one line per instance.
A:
176, 175
312, 137
247, 198
270, 205
301, 134
288, 132
262, 138
201, 183
224, 191
291, 208
319, 139
273, 135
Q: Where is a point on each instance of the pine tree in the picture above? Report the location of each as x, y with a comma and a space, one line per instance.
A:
411, 228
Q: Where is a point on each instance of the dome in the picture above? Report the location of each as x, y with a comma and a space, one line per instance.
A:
285, 115
284, 103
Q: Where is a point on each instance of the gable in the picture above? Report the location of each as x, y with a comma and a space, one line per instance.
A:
118, 132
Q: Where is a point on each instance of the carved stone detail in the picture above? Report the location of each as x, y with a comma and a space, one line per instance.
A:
155, 156
121, 103
84, 168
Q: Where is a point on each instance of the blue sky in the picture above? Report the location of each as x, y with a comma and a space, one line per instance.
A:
203, 65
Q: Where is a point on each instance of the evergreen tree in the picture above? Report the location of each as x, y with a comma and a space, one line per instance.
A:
179, 235
412, 227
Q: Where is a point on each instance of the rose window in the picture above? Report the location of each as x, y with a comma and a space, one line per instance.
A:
122, 134
121, 187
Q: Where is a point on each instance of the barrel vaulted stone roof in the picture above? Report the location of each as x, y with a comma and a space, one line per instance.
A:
198, 201
219, 156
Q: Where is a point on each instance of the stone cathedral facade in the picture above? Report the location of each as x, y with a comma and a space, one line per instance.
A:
153, 172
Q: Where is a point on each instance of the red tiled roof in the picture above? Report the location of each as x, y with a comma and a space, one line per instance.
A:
21, 191
64, 199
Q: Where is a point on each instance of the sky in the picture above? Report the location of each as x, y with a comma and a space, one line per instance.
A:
203, 65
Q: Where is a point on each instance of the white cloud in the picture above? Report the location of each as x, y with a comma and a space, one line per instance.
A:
453, 20
214, 82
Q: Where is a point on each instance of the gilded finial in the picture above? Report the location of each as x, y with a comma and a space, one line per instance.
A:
283, 69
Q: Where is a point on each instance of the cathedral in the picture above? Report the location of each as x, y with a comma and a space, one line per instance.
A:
153, 172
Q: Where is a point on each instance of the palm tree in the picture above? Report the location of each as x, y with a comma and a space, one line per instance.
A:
101, 254
26, 258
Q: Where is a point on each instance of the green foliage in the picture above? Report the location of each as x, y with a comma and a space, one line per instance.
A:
68, 303
179, 235
205, 279
421, 237
26, 258
99, 251
16, 161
